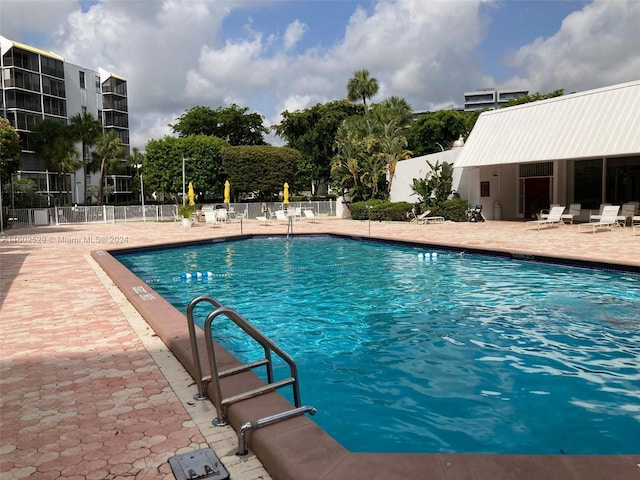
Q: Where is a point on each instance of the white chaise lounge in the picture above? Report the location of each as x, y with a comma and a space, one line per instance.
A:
553, 218
608, 219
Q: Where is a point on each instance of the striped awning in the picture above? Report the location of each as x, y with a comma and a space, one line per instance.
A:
591, 124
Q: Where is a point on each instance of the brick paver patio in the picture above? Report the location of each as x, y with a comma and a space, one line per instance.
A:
87, 390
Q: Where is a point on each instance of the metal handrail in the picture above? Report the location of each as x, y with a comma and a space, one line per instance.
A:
263, 422
268, 347
200, 380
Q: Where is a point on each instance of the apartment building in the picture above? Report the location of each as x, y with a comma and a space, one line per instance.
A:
35, 85
490, 98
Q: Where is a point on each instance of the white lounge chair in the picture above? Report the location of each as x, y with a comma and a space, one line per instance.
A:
595, 217
281, 216
418, 218
608, 219
310, 216
428, 219
553, 218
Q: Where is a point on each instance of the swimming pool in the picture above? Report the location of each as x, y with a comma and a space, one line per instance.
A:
402, 350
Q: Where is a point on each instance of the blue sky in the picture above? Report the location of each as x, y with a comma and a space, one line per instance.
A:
276, 55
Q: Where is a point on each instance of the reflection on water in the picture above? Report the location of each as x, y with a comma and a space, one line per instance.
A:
403, 350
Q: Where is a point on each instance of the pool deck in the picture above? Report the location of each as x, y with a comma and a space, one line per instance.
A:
111, 401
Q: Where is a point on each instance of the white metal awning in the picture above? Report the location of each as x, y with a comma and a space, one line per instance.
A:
592, 124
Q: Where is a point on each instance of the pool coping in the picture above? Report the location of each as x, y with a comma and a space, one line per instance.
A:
299, 449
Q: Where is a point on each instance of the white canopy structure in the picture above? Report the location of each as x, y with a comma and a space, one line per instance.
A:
592, 124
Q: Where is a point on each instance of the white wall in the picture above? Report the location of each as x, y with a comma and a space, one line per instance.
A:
417, 167
503, 183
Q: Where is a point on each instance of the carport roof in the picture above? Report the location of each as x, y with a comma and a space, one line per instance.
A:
591, 124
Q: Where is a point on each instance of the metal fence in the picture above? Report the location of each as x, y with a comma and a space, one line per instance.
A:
29, 217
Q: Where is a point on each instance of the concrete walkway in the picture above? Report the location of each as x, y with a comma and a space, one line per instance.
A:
87, 390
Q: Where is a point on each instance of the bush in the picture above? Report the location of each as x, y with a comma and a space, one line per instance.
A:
454, 210
380, 210
360, 210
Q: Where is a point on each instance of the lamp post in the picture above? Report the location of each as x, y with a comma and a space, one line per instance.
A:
139, 167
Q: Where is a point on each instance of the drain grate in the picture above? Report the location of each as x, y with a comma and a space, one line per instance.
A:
199, 464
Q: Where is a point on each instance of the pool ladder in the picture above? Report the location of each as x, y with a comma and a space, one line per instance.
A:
222, 404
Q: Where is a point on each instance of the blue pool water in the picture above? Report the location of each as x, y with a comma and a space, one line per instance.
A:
402, 349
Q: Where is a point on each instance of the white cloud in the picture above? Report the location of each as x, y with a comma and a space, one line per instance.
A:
295, 31
174, 56
595, 47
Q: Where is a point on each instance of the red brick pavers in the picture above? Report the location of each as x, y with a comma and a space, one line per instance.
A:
81, 396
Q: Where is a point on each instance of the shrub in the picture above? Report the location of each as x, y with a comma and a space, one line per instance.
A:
380, 210
360, 210
398, 211
454, 210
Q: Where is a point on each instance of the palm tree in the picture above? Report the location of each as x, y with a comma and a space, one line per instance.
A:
54, 146
109, 152
397, 109
361, 86
87, 129
68, 162
135, 160
393, 149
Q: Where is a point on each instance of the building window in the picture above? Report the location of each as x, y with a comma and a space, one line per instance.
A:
588, 183
623, 180
536, 169
82, 85
52, 67
97, 83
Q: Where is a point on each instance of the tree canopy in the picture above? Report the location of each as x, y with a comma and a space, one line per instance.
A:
533, 98
87, 129
368, 148
260, 169
232, 124
9, 148
162, 165
54, 145
361, 86
313, 133
109, 151
436, 131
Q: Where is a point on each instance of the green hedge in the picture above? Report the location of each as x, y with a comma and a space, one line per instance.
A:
454, 210
380, 210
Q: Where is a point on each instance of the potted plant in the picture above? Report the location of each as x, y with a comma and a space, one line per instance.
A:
185, 211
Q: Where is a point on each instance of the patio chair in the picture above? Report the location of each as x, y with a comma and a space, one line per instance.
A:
475, 214
417, 218
281, 216
608, 219
574, 211
210, 216
635, 224
222, 215
310, 216
553, 218
263, 220
429, 219
627, 212
239, 216
596, 217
